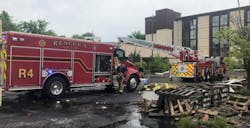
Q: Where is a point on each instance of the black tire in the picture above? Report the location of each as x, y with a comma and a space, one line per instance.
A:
55, 87
132, 83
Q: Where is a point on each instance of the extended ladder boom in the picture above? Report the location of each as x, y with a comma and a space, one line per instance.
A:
183, 53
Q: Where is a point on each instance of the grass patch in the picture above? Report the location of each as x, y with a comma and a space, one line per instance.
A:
244, 91
216, 123
187, 122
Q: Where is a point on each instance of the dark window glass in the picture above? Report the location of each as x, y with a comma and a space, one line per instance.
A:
248, 16
214, 30
216, 52
185, 43
224, 42
103, 63
186, 34
215, 21
223, 27
215, 47
215, 43
189, 34
223, 20
192, 34
218, 47
193, 44
193, 24
186, 25
119, 53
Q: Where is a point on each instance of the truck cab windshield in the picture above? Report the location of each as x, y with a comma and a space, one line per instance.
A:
120, 54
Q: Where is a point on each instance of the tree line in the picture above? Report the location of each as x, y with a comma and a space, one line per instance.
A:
41, 27
33, 26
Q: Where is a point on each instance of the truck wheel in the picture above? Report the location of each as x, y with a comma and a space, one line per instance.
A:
132, 84
55, 87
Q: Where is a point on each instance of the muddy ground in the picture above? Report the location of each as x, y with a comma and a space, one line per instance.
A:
85, 109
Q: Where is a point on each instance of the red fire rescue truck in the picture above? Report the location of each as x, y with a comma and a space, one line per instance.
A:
191, 65
56, 64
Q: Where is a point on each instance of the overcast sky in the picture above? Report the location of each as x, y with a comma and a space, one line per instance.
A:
108, 19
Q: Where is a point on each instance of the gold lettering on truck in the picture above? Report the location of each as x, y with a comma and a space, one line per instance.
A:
22, 73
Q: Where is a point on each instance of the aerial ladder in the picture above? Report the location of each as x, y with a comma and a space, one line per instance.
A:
182, 53
192, 66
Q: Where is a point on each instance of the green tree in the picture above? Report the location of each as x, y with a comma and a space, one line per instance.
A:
135, 56
137, 35
159, 64
239, 40
8, 24
62, 36
37, 27
82, 36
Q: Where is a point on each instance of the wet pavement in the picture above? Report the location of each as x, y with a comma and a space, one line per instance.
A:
85, 109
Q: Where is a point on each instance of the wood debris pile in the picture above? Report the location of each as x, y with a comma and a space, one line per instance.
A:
201, 101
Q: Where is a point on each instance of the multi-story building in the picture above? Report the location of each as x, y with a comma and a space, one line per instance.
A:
195, 31
159, 28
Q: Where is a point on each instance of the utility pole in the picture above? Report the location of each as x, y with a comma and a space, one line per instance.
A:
240, 23
152, 34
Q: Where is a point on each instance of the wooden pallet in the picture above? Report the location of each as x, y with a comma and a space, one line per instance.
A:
185, 99
239, 103
177, 108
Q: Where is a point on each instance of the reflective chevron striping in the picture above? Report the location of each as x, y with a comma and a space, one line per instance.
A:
4, 66
188, 71
3, 56
174, 69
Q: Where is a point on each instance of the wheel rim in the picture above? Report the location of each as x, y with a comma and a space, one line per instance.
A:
56, 88
133, 83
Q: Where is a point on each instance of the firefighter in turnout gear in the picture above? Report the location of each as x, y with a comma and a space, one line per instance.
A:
120, 77
120, 69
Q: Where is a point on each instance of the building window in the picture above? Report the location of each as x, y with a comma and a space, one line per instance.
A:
218, 47
190, 34
248, 17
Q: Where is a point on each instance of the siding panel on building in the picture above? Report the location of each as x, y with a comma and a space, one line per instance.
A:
178, 33
234, 18
149, 37
203, 35
164, 36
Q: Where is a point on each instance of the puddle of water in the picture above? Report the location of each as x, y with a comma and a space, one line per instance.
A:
119, 114
136, 119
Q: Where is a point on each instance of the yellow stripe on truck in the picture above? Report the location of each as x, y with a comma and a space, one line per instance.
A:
3, 55
190, 69
4, 64
188, 73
